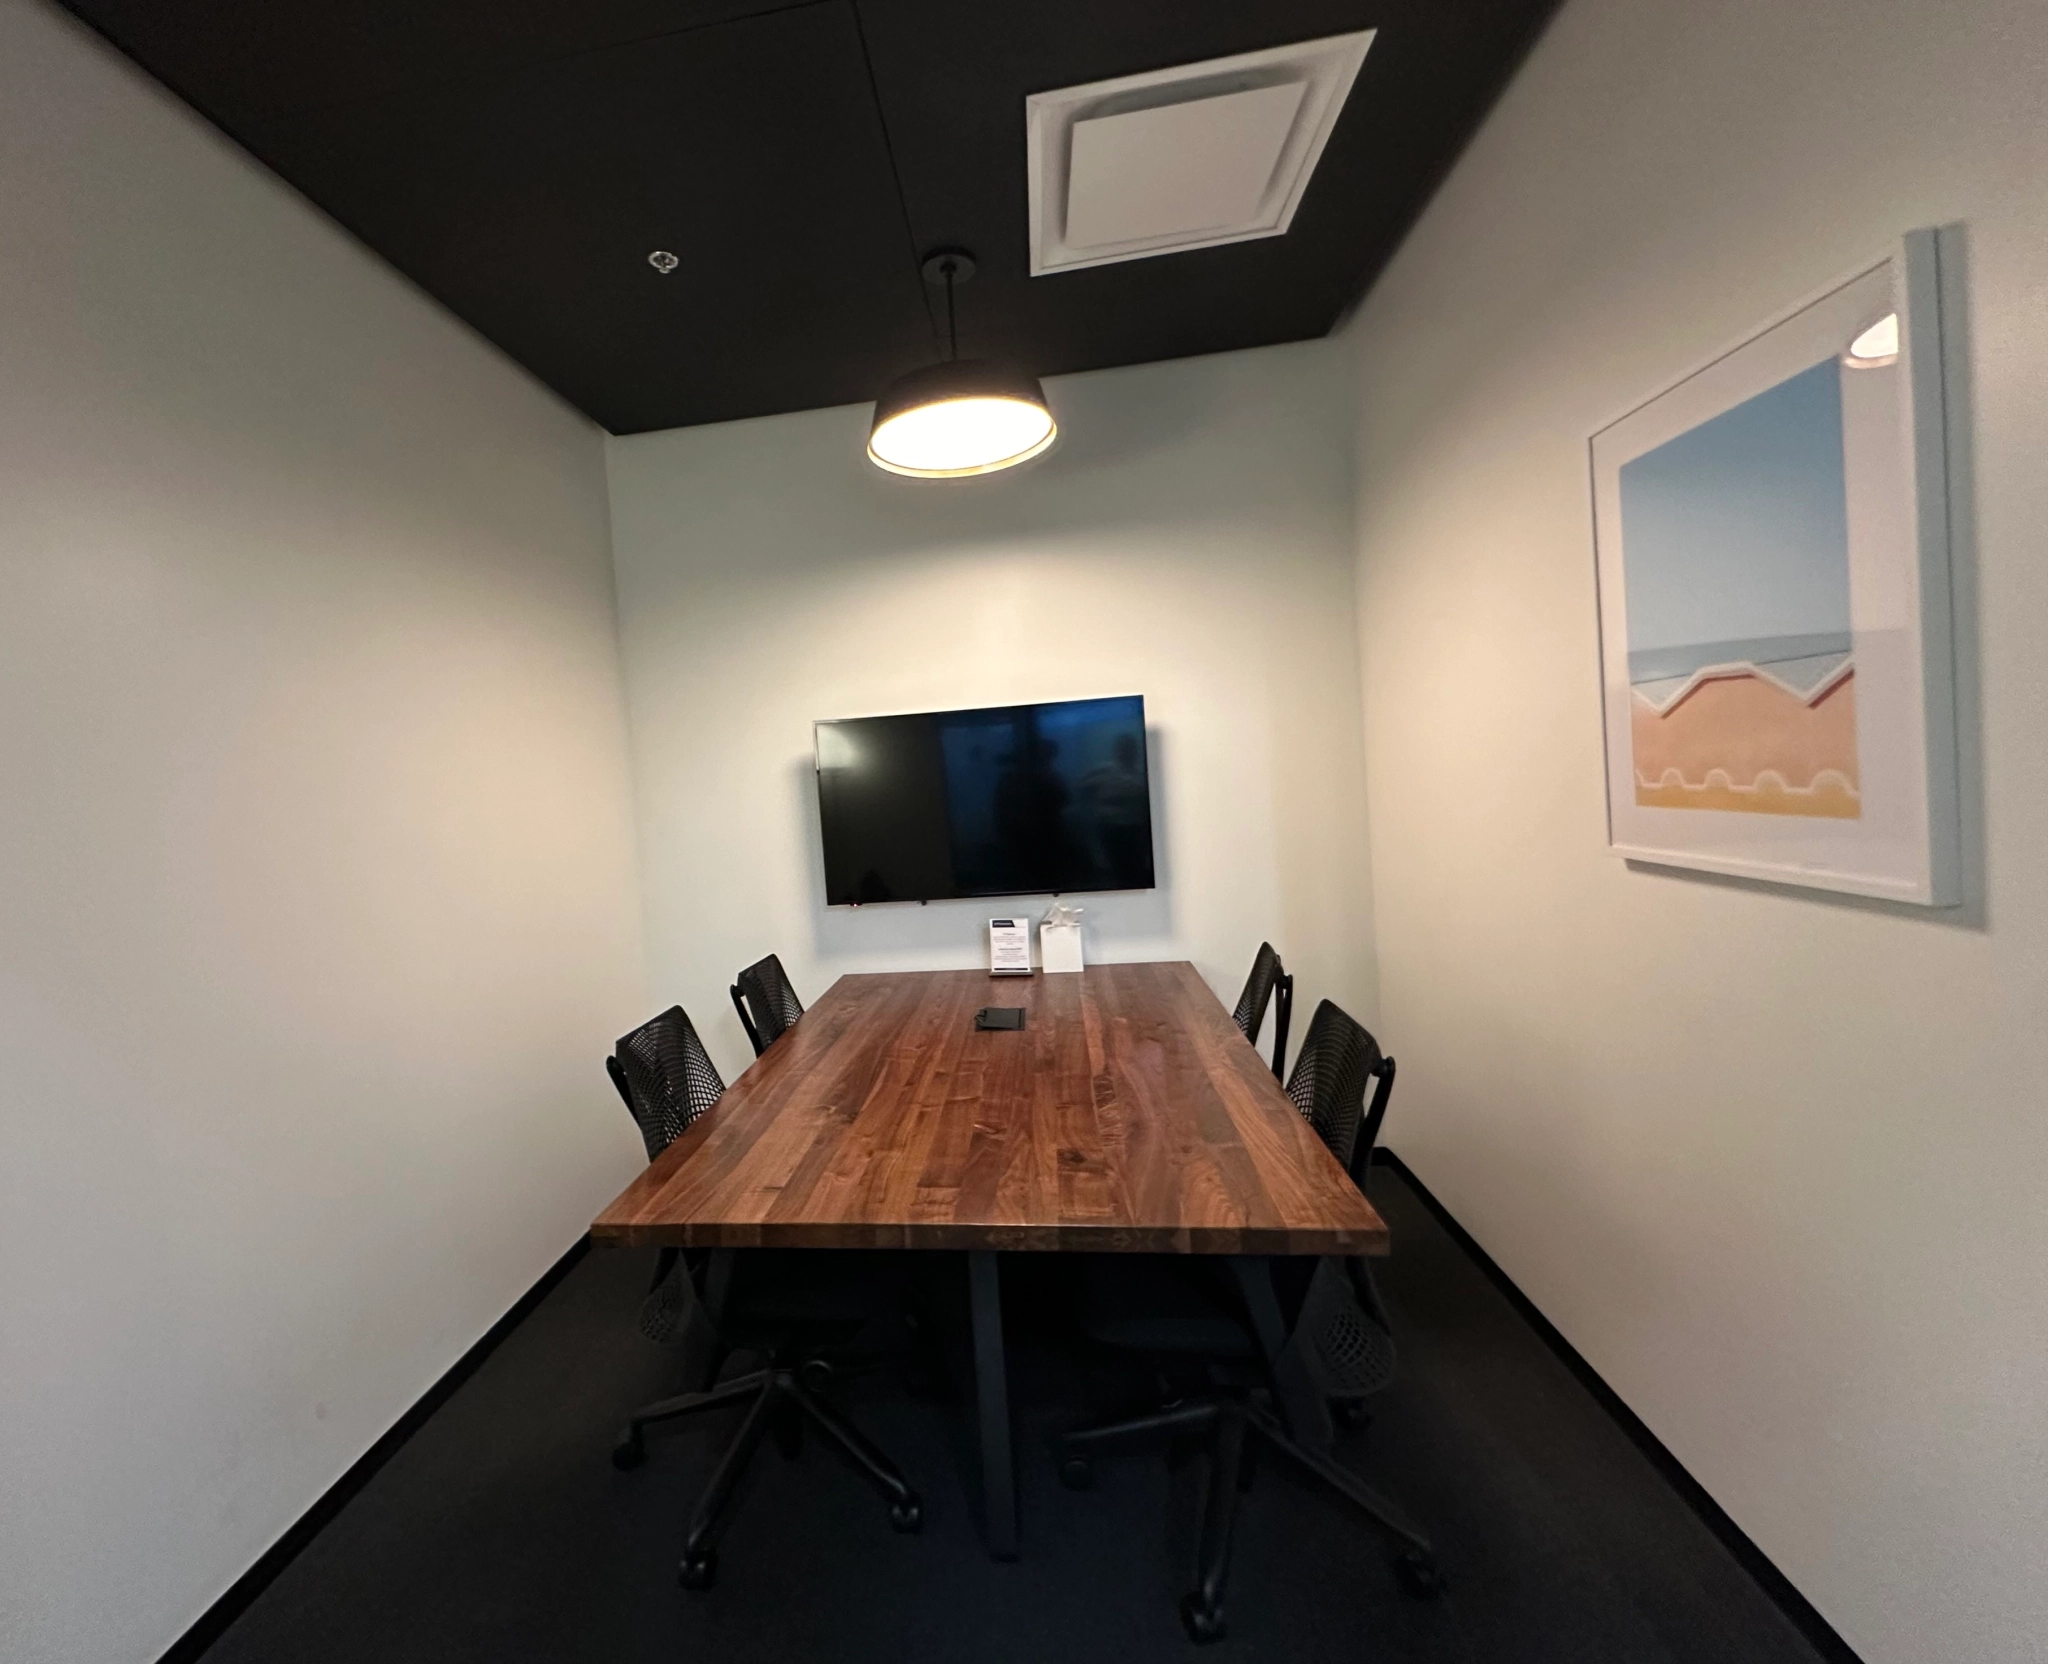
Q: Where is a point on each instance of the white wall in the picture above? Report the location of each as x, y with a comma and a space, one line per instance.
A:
1189, 540
1775, 1163
316, 889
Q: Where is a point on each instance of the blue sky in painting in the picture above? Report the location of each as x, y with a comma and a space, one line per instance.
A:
1735, 534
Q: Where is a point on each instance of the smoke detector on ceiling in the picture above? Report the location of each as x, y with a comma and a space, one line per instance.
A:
1208, 153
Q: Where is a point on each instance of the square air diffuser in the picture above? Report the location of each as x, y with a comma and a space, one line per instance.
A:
1207, 153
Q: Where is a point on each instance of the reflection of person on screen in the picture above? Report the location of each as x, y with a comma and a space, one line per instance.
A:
1030, 811
1113, 803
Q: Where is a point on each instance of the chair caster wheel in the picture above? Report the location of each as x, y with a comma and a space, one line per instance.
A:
816, 1376
1077, 1473
1420, 1575
1202, 1620
906, 1516
698, 1571
629, 1452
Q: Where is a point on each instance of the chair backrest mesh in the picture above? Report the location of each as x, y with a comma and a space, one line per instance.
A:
1344, 1322
1328, 1083
1250, 1014
772, 999
669, 1079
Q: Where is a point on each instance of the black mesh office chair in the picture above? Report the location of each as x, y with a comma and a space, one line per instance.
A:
1338, 1058
667, 1080
666, 1077
785, 1305
764, 987
1267, 979
1185, 1309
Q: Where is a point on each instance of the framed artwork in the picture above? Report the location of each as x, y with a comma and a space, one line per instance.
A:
1771, 537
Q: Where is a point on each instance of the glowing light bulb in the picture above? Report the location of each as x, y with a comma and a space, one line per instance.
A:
960, 418
1877, 345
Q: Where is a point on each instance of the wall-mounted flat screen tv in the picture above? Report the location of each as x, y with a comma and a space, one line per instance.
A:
1012, 800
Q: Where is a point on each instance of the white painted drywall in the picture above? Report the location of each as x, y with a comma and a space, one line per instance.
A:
1189, 540
316, 885
1776, 1163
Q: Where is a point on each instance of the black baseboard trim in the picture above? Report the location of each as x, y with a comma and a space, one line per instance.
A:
1802, 1613
242, 1593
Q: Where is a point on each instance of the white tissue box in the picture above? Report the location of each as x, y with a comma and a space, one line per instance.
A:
1059, 947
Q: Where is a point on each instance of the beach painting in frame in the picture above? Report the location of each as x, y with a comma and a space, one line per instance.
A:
1771, 539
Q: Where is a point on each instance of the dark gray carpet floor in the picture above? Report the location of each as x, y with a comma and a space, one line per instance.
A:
500, 1533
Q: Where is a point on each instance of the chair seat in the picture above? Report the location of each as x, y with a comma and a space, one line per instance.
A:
1168, 1303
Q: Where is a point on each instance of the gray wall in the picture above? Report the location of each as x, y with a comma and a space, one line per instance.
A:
316, 890
1774, 1162
1190, 540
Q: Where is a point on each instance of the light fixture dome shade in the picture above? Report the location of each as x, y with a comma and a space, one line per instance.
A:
965, 416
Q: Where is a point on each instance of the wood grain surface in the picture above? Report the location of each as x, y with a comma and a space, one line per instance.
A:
1129, 1115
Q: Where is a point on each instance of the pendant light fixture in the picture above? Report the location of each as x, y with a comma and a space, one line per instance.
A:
963, 416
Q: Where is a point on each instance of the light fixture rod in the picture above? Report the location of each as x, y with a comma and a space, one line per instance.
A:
948, 268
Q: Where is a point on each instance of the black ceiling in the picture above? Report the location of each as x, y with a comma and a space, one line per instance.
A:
518, 159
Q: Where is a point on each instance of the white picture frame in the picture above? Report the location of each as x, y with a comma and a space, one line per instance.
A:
1776, 643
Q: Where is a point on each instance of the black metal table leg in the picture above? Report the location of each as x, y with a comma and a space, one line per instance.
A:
1301, 1400
992, 1397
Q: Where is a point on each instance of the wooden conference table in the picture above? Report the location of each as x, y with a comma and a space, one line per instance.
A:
1129, 1115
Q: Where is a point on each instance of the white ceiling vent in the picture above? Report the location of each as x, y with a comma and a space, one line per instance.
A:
1207, 153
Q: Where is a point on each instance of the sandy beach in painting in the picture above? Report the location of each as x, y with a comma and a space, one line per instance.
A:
1736, 737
